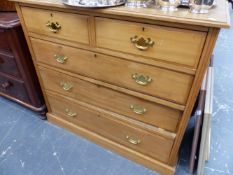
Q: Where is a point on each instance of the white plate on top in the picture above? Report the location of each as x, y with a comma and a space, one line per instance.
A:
94, 3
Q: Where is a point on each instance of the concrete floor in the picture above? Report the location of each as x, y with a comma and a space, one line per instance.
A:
30, 146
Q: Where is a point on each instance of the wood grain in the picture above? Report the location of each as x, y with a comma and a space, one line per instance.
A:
7, 6
149, 162
130, 57
120, 89
166, 84
111, 128
205, 60
218, 17
176, 82
74, 29
172, 45
157, 115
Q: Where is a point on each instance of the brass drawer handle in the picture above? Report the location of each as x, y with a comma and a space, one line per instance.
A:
66, 86
141, 43
70, 113
60, 59
132, 140
138, 109
53, 26
141, 79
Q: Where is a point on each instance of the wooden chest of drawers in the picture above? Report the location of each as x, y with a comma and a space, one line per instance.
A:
18, 80
126, 79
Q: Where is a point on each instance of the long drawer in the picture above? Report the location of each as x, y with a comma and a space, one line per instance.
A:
56, 24
14, 88
150, 80
136, 108
140, 140
168, 44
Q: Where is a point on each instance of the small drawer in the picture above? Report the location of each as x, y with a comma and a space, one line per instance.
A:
154, 81
67, 26
168, 44
14, 88
8, 64
4, 40
127, 105
151, 144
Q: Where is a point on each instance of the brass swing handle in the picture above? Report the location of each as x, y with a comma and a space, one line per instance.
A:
53, 26
60, 58
138, 109
141, 79
142, 43
70, 113
132, 140
66, 86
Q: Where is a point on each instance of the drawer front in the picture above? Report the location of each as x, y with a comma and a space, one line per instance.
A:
136, 108
137, 139
8, 64
55, 24
167, 44
150, 80
3, 40
13, 88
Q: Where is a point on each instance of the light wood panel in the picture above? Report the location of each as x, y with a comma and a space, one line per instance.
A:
111, 128
204, 62
173, 45
131, 57
149, 162
157, 131
75, 29
118, 88
165, 84
157, 115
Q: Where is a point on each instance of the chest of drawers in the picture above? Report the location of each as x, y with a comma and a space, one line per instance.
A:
18, 80
126, 79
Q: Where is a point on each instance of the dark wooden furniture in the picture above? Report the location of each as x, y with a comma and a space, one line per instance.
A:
6, 5
18, 80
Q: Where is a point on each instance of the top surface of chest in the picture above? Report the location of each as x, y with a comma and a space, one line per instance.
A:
217, 17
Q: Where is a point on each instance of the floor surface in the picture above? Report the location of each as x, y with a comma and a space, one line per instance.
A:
30, 146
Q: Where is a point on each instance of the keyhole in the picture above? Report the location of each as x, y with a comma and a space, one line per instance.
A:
143, 29
51, 14
95, 55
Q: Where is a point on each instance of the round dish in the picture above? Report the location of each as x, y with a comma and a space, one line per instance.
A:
94, 3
